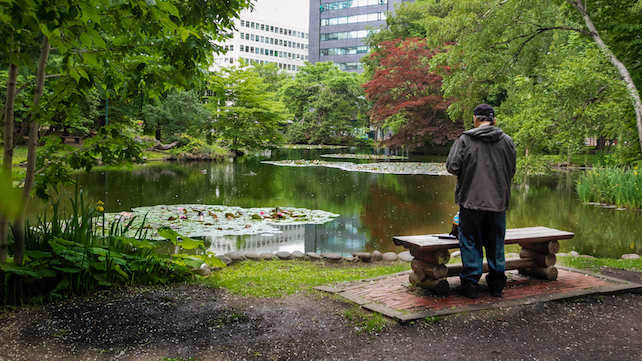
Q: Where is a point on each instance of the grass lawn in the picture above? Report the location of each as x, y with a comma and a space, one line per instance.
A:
277, 278
596, 264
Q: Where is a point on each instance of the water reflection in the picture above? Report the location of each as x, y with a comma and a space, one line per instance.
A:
372, 207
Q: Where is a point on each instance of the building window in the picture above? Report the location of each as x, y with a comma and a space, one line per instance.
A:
242, 47
262, 39
242, 35
242, 22
346, 51
231, 47
350, 66
354, 19
350, 4
262, 29
271, 29
357, 34
252, 37
252, 25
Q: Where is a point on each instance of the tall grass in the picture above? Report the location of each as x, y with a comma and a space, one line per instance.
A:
66, 255
618, 186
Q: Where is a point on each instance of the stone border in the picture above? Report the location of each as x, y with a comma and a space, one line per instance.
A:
233, 257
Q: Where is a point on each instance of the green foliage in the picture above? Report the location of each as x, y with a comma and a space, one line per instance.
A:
282, 278
66, 255
328, 105
618, 186
178, 112
529, 166
198, 148
536, 63
574, 95
245, 113
371, 323
56, 160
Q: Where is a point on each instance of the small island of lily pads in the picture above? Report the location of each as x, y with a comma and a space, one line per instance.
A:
199, 220
383, 167
364, 156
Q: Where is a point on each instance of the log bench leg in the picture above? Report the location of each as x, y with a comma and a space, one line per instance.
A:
544, 255
429, 270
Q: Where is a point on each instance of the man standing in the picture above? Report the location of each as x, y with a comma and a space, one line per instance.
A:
483, 159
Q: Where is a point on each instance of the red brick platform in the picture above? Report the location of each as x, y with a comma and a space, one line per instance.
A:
395, 297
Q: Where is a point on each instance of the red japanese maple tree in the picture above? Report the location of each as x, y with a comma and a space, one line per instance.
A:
407, 96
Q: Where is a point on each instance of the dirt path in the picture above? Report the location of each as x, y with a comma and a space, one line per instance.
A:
194, 321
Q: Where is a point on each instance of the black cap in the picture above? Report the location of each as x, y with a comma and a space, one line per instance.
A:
484, 109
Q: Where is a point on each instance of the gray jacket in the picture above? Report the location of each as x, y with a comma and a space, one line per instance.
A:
483, 159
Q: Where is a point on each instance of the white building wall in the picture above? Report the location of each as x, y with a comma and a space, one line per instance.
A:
276, 31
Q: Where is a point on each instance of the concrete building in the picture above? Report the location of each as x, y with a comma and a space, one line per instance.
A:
338, 28
275, 31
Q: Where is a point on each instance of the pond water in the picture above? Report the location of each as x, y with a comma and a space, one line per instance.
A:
372, 207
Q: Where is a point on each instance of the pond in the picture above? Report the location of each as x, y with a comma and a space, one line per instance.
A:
372, 207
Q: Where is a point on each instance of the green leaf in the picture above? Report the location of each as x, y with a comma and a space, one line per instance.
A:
101, 280
86, 40
35, 254
188, 243
62, 285
137, 243
67, 269
214, 261
169, 234
90, 59
97, 38
121, 272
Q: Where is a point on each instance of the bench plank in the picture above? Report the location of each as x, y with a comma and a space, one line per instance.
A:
431, 242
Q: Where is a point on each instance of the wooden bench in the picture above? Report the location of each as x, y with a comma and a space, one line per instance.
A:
429, 269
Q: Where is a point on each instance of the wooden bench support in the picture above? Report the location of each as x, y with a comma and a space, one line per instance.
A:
429, 269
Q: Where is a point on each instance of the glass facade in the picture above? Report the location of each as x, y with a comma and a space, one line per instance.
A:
350, 4
354, 19
357, 34
364, 49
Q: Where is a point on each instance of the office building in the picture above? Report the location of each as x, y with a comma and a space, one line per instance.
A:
271, 33
337, 29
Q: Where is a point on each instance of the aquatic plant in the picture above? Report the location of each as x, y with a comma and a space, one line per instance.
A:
382, 167
67, 255
611, 185
200, 220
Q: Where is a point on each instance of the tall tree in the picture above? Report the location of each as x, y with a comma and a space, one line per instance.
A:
245, 113
116, 46
328, 104
178, 112
407, 96
495, 41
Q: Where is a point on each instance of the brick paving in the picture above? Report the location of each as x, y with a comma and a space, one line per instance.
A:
396, 293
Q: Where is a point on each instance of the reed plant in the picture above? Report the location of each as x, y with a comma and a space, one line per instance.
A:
611, 185
67, 254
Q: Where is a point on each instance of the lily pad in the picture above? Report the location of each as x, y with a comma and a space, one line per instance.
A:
383, 167
200, 220
364, 156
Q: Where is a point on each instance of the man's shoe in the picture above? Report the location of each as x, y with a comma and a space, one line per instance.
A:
495, 293
469, 292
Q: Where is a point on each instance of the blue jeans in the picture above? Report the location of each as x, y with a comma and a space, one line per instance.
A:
479, 229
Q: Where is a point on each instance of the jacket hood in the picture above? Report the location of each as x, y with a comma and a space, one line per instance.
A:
486, 133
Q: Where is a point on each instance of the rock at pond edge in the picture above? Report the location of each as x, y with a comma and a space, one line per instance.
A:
377, 256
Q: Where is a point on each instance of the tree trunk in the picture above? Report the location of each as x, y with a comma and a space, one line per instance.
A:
624, 72
18, 224
7, 164
8, 151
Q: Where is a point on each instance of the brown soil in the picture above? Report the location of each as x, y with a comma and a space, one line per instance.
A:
194, 321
